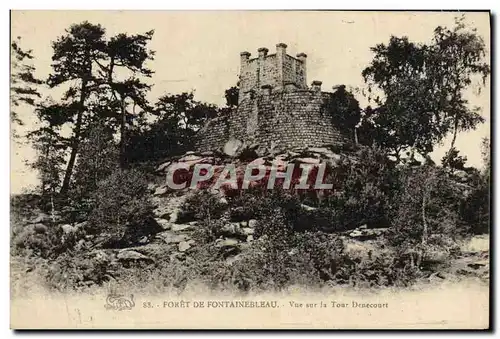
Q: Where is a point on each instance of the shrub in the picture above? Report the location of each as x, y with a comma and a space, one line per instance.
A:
122, 208
428, 203
475, 207
77, 271
201, 205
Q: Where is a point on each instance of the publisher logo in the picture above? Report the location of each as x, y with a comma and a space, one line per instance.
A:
119, 302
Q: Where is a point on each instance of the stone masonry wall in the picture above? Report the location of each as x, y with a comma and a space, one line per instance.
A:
294, 72
213, 135
280, 120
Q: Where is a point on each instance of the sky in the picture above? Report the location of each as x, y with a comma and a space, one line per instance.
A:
200, 51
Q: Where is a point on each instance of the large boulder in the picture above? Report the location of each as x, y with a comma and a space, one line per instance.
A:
67, 229
128, 256
224, 243
165, 224
40, 228
180, 228
172, 238
41, 218
161, 190
185, 245
233, 147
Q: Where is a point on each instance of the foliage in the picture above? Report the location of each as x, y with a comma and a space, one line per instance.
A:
86, 64
23, 83
231, 94
475, 208
121, 207
453, 160
77, 271
177, 118
202, 205
423, 89
366, 192
428, 203
344, 110
98, 159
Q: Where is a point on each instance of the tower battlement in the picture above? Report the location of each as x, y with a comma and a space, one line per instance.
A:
275, 72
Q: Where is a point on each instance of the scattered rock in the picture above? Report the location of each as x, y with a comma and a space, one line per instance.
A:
184, 246
232, 147
68, 228
308, 208
478, 264
161, 190
174, 216
99, 255
231, 229
249, 238
229, 242
130, 255
162, 212
247, 230
356, 233
165, 224
179, 228
308, 160
252, 223
231, 260
81, 225
144, 240
40, 228
321, 150
171, 238
189, 157
163, 166
41, 219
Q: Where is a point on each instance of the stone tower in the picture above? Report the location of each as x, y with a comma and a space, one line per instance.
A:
276, 108
276, 71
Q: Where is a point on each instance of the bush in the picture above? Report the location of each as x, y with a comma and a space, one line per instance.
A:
122, 208
475, 208
201, 205
77, 271
428, 203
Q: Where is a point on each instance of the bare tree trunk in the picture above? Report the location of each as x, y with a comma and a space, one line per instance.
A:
123, 125
455, 132
76, 139
424, 221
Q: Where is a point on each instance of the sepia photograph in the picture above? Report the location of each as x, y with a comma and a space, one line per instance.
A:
250, 169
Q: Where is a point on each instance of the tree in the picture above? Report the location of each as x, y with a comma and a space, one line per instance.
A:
453, 160
23, 83
99, 157
177, 119
232, 95
457, 58
130, 53
344, 110
74, 61
427, 203
422, 88
50, 147
89, 64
